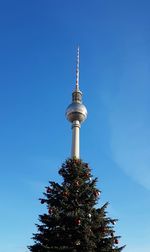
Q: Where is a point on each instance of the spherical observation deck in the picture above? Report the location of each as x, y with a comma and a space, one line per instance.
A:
76, 112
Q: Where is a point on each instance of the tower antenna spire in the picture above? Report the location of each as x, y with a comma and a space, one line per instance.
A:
77, 69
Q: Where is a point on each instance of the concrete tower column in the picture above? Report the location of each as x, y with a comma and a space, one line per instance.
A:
75, 150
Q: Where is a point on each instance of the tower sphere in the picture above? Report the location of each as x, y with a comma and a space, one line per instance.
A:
76, 112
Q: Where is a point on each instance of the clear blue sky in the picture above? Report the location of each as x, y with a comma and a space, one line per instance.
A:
37, 75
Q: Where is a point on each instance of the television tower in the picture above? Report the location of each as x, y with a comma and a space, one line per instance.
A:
76, 113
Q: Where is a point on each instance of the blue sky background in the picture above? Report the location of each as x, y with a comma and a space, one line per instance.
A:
37, 75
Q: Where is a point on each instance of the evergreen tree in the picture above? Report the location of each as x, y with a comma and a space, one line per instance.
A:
73, 223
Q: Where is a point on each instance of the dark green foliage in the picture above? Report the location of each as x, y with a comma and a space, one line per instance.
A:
72, 222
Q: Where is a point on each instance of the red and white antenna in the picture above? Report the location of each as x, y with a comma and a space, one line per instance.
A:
77, 69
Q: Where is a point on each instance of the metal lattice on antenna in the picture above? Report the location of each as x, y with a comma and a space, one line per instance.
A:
77, 69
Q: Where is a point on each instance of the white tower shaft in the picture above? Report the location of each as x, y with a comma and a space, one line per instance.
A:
75, 151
